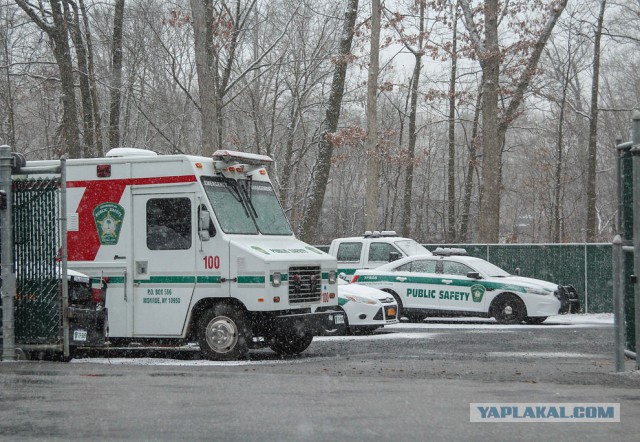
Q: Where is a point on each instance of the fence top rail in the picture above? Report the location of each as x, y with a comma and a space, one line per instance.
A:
526, 244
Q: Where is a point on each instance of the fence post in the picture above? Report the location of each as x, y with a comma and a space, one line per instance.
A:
8, 277
635, 152
618, 302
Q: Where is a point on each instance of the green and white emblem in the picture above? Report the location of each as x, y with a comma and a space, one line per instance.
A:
108, 218
477, 292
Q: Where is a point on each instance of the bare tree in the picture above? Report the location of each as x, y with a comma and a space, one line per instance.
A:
330, 124
494, 128
57, 30
372, 144
591, 228
116, 75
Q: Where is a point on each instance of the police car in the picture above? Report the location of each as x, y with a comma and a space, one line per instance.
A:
366, 309
450, 284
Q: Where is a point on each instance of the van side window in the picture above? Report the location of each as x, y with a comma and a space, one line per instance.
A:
379, 251
169, 224
349, 251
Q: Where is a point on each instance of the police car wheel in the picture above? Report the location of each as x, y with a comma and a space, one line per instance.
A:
537, 320
509, 309
223, 333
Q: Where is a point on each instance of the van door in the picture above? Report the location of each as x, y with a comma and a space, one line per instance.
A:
164, 261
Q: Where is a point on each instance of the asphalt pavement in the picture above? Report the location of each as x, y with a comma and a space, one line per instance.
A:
407, 382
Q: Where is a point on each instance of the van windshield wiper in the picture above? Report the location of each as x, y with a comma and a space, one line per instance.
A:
231, 186
247, 193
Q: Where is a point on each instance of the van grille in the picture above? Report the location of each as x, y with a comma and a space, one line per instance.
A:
304, 284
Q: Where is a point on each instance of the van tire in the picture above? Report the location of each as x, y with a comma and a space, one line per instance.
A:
223, 333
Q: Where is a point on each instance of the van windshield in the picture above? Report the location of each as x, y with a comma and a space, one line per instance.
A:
246, 206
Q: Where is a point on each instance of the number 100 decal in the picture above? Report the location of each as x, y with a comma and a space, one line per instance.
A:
211, 262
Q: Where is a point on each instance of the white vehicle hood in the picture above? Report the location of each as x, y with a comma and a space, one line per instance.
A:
344, 288
279, 248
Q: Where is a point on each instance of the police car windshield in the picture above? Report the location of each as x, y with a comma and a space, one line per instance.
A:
411, 247
488, 269
245, 206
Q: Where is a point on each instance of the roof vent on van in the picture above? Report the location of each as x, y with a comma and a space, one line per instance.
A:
117, 152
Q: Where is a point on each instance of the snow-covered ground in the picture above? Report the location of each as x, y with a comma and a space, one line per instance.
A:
389, 332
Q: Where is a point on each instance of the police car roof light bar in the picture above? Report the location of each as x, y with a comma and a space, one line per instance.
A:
450, 251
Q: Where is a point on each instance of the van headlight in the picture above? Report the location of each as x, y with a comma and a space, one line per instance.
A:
276, 279
332, 276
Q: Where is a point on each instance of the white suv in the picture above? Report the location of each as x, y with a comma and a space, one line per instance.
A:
372, 250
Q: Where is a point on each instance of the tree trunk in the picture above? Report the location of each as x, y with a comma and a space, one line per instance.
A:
451, 164
330, 125
591, 227
471, 170
116, 75
88, 147
97, 119
202, 12
489, 231
408, 190
372, 144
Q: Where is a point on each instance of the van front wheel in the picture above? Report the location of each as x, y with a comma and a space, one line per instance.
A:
223, 333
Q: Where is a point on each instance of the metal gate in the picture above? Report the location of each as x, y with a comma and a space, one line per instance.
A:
37, 246
33, 257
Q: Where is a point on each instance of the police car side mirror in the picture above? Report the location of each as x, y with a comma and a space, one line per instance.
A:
474, 275
393, 256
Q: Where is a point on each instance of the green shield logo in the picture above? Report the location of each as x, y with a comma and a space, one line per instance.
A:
477, 292
108, 218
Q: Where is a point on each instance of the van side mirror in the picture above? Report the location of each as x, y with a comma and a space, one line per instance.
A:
393, 256
474, 275
204, 225
517, 271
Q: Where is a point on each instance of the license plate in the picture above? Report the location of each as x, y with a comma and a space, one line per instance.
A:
79, 335
338, 319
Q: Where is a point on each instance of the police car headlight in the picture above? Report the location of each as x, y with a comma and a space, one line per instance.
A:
541, 292
360, 299
332, 276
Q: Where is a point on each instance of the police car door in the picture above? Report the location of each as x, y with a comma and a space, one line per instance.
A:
455, 291
416, 284
164, 245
